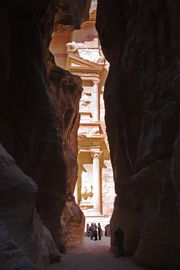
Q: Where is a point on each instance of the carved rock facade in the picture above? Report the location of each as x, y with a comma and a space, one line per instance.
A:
140, 40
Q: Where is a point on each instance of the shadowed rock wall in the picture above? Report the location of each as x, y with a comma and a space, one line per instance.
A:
140, 39
32, 127
25, 242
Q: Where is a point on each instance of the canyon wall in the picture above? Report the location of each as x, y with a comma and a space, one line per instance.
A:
140, 39
35, 128
25, 242
66, 95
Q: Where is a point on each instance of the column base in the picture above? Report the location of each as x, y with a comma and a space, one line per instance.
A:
93, 214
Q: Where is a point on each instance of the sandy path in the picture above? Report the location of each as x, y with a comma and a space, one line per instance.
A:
94, 255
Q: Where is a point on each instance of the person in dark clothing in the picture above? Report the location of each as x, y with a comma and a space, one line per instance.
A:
105, 230
91, 231
95, 232
87, 230
119, 242
99, 231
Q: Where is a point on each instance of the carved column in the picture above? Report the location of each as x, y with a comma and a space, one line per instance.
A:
96, 101
76, 192
96, 181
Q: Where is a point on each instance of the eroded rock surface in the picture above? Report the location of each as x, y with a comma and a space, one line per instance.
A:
71, 13
66, 95
32, 128
140, 40
73, 222
25, 242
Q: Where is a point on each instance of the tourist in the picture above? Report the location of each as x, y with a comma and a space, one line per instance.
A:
119, 242
87, 230
95, 232
91, 229
107, 230
99, 231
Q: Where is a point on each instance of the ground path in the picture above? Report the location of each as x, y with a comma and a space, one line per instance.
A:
94, 255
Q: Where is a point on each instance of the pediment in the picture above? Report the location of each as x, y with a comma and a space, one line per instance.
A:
78, 64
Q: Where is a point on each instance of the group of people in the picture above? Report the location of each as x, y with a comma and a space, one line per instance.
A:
94, 231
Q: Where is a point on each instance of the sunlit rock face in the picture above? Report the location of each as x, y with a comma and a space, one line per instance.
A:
73, 222
66, 97
68, 110
33, 128
66, 92
140, 40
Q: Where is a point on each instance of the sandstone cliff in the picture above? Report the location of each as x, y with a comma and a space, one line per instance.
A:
140, 39
32, 129
25, 242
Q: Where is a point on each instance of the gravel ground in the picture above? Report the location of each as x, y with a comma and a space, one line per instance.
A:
94, 255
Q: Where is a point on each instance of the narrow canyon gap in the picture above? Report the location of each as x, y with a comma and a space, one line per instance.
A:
39, 120
79, 51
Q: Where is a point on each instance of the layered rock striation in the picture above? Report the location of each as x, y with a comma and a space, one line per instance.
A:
140, 39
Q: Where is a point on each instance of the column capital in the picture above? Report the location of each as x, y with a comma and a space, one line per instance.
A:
96, 81
95, 153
